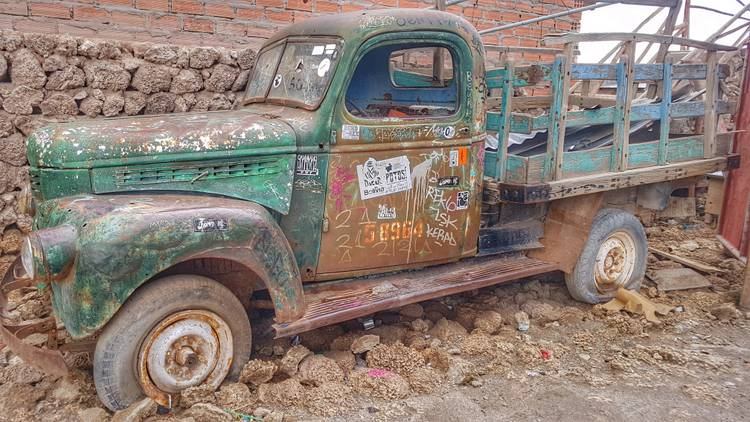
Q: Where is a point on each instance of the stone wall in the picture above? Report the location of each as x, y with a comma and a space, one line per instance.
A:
46, 78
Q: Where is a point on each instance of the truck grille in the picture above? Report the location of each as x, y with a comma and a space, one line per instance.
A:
194, 172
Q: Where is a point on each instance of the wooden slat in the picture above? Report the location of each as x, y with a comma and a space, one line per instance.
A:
534, 74
621, 132
573, 37
633, 177
712, 93
506, 109
558, 113
666, 106
515, 49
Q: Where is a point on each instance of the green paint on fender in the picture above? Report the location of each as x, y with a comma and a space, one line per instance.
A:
123, 241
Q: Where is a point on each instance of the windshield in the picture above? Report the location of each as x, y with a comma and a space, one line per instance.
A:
300, 76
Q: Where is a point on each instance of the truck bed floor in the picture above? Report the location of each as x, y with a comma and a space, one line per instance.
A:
338, 301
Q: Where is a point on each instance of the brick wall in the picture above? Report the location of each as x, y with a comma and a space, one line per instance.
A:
237, 23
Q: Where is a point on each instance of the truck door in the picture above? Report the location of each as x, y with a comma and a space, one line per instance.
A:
400, 176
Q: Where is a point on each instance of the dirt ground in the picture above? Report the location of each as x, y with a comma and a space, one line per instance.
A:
464, 358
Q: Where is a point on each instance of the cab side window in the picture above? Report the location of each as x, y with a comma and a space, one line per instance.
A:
402, 82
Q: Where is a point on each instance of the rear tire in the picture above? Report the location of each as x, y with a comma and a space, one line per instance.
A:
614, 256
172, 330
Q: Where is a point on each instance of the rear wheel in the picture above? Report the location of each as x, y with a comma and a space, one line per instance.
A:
614, 256
173, 333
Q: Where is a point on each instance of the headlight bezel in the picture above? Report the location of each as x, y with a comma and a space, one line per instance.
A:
48, 254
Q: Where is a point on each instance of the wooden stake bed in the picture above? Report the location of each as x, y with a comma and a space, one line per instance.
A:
602, 159
334, 302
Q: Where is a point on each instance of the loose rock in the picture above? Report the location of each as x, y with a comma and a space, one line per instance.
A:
318, 369
26, 70
208, 412
290, 362
380, 383
59, 104
412, 311
364, 343
397, 358
198, 394
137, 411
257, 372
489, 321
448, 330
522, 321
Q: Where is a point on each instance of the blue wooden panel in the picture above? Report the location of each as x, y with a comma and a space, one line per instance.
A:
490, 157
581, 163
515, 170
685, 149
643, 154
494, 78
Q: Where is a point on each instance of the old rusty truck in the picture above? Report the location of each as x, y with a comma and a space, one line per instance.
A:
369, 166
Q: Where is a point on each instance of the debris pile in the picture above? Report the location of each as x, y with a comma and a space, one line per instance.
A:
517, 336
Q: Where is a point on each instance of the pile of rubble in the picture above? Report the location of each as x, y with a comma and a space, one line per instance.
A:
518, 332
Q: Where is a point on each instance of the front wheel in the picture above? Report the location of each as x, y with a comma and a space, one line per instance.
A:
614, 256
173, 333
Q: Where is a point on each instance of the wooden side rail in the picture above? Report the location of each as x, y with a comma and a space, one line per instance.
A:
619, 111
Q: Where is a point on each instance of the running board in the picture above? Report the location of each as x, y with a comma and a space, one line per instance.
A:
334, 302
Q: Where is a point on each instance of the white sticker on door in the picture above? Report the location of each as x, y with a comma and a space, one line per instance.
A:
350, 132
379, 178
307, 165
453, 158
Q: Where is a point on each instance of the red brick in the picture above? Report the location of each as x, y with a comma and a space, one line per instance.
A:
128, 19
280, 4
231, 28
351, 7
258, 32
116, 2
254, 14
221, 10
281, 16
198, 25
413, 4
33, 25
326, 6
50, 10
306, 5
168, 22
88, 13
17, 8
77, 30
192, 7
158, 5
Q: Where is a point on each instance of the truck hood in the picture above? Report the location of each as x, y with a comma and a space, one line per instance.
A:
155, 139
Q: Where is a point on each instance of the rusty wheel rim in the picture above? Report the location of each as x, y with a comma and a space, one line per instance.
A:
186, 349
615, 262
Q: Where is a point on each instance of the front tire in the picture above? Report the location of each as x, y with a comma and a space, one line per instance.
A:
614, 256
173, 333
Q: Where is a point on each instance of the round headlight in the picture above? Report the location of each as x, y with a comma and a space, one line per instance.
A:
48, 254
27, 257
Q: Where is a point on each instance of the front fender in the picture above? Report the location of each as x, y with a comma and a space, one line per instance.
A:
125, 240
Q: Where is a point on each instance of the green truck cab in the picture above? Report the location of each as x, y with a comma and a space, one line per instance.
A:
358, 153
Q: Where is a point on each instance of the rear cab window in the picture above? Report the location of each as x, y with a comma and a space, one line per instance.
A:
403, 81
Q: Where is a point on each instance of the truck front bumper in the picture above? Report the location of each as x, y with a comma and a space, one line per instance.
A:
49, 359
